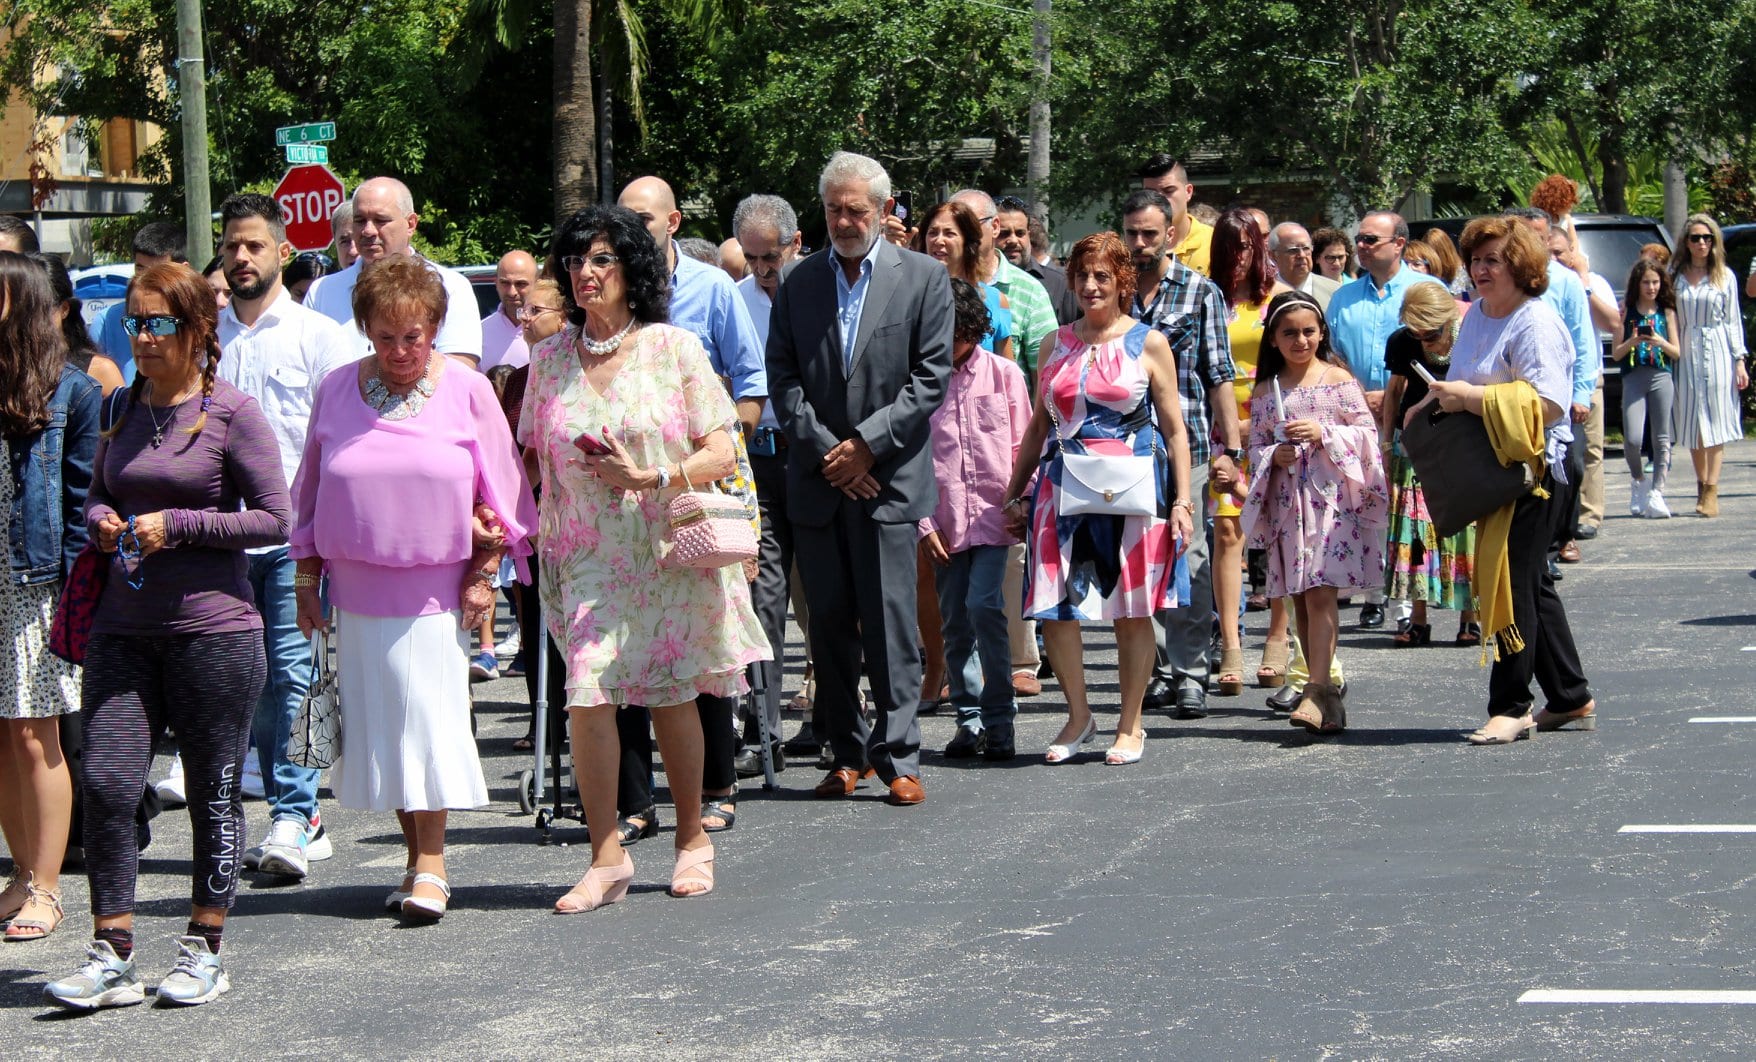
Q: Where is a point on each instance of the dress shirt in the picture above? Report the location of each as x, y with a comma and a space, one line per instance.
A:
850, 299
705, 301
503, 342
760, 307
1361, 317
459, 333
1567, 295
1188, 309
976, 432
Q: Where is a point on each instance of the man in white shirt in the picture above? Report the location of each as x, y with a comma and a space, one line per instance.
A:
277, 351
1289, 244
503, 330
383, 226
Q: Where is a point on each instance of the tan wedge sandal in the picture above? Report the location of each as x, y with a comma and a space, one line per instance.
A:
1230, 682
1272, 675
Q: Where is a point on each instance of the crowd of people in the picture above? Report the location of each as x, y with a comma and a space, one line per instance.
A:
957, 451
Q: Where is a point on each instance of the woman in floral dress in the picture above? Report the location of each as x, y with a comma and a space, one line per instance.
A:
634, 631
1318, 502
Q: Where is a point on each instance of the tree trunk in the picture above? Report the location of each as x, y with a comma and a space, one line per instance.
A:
1037, 167
575, 126
1615, 200
606, 141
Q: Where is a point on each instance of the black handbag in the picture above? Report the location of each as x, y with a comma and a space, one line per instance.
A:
1461, 476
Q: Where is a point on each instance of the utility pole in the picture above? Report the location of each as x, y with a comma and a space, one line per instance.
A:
1037, 168
1676, 199
192, 96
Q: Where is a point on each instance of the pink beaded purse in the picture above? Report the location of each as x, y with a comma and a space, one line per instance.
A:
708, 529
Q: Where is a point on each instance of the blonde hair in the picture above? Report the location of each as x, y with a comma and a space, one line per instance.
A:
1428, 307
1716, 252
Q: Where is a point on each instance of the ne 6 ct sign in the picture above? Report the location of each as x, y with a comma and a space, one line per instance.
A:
308, 197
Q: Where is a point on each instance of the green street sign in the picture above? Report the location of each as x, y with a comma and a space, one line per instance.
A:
307, 155
310, 133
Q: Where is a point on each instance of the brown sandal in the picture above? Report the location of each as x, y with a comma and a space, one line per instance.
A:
1231, 671
1273, 673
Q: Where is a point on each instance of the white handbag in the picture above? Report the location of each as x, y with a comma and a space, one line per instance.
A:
1108, 484
315, 740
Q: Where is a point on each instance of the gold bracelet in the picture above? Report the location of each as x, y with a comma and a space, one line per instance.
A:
306, 580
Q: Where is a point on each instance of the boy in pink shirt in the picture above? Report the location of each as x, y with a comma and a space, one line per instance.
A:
976, 432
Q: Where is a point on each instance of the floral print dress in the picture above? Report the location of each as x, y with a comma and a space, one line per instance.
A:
633, 632
1322, 520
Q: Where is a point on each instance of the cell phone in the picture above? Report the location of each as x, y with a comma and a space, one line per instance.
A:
905, 205
1643, 330
591, 444
1421, 371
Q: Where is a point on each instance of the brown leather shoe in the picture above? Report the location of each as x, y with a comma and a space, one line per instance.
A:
906, 791
1570, 553
840, 782
1025, 684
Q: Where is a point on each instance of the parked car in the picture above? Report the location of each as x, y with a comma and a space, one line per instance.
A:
481, 281
1612, 242
1740, 251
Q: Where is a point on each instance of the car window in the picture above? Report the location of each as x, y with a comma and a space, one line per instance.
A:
1612, 251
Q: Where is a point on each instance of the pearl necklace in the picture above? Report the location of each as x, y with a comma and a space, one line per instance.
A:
393, 406
602, 348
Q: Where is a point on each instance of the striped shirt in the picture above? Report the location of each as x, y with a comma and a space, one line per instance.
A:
1033, 315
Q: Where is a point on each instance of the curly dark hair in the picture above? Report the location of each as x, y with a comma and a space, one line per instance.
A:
1269, 360
644, 270
971, 311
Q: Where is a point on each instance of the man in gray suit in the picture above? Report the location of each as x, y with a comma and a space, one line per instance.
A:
1290, 247
859, 350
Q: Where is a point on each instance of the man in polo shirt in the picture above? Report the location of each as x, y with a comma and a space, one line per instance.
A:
766, 231
1191, 313
1290, 247
1362, 314
277, 352
1012, 224
503, 330
1191, 239
383, 227
705, 301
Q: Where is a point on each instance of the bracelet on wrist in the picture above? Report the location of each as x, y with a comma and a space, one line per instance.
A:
306, 580
485, 575
1013, 503
664, 477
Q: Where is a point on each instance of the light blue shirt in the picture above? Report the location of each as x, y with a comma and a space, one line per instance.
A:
1567, 295
1361, 318
705, 301
760, 308
850, 299
107, 333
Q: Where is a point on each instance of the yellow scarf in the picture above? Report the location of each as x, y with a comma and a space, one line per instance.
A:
1514, 417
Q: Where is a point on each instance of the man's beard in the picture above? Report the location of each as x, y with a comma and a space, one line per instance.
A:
254, 291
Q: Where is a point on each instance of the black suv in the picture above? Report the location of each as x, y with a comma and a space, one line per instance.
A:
1612, 242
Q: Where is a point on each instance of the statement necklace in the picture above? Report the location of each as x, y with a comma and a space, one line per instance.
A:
603, 348
393, 406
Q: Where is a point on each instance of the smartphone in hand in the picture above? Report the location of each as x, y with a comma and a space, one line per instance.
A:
591, 444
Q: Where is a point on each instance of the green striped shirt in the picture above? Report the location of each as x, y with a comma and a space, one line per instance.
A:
1033, 315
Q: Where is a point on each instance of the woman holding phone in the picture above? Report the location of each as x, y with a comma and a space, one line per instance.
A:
1649, 352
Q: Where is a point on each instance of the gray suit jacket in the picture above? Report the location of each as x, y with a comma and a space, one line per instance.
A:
901, 360
1322, 289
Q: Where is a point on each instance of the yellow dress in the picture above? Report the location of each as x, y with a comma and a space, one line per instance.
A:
1245, 334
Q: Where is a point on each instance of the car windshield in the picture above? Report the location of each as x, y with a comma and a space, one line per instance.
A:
1612, 250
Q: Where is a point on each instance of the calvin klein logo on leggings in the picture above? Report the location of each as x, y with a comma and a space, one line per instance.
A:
225, 852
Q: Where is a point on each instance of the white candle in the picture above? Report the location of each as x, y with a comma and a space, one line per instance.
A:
1280, 408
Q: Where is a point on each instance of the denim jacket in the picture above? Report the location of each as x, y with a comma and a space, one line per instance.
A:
50, 473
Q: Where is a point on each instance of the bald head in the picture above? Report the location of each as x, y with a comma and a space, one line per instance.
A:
1290, 247
653, 200
384, 220
731, 259
513, 278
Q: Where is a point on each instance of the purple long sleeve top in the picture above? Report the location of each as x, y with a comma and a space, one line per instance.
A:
222, 491
387, 503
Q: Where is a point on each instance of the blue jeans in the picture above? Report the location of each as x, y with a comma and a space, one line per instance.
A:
292, 790
978, 653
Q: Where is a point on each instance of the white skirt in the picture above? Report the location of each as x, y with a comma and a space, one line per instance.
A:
405, 733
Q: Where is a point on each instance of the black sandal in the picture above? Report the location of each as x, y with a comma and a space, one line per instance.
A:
720, 807
631, 828
1409, 633
1469, 634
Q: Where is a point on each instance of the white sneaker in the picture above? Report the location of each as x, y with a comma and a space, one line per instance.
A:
1656, 509
1638, 495
508, 649
171, 790
317, 845
283, 853
253, 787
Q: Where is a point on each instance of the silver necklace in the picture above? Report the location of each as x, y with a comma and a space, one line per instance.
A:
158, 430
597, 348
393, 406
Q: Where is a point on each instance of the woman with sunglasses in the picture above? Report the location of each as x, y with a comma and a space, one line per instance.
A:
187, 478
1710, 373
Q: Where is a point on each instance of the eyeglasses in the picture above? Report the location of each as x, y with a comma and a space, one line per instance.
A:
574, 264
1368, 239
157, 325
1338, 258
1700, 237
1299, 252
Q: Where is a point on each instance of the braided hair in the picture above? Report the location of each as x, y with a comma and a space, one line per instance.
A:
191, 302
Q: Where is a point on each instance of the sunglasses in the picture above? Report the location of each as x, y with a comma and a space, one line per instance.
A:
573, 263
1430, 337
1367, 239
156, 325
1700, 237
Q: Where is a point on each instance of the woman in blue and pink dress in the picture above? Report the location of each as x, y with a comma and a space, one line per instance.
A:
1108, 384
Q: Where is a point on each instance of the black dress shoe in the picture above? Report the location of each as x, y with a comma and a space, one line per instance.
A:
1554, 569
967, 743
748, 761
1191, 703
1158, 695
1371, 617
1284, 699
999, 744
804, 744
1585, 532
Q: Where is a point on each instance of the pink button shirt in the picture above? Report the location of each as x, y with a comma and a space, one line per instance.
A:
976, 432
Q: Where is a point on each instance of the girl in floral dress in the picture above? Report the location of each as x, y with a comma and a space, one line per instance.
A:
1318, 503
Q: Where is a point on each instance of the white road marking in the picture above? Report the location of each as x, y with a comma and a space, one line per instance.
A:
1685, 995
1723, 719
1690, 827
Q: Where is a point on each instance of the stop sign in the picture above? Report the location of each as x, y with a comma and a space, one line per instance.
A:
308, 196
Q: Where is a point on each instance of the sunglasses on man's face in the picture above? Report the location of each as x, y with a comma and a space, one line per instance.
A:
156, 325
1367, 239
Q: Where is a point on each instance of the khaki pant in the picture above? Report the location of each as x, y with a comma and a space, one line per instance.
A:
1021, 632
1591, 492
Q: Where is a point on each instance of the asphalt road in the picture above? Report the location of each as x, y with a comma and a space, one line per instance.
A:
1243, 892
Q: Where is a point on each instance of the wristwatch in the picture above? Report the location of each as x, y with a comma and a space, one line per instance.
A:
1237, 456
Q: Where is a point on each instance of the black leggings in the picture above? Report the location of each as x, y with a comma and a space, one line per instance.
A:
204, 686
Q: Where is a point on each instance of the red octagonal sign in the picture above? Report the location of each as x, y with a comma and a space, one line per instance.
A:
308, 196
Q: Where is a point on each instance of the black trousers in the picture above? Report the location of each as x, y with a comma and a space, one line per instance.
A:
1549, 653
719, 741
773, 586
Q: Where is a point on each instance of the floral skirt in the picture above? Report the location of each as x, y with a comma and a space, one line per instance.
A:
1422, 566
